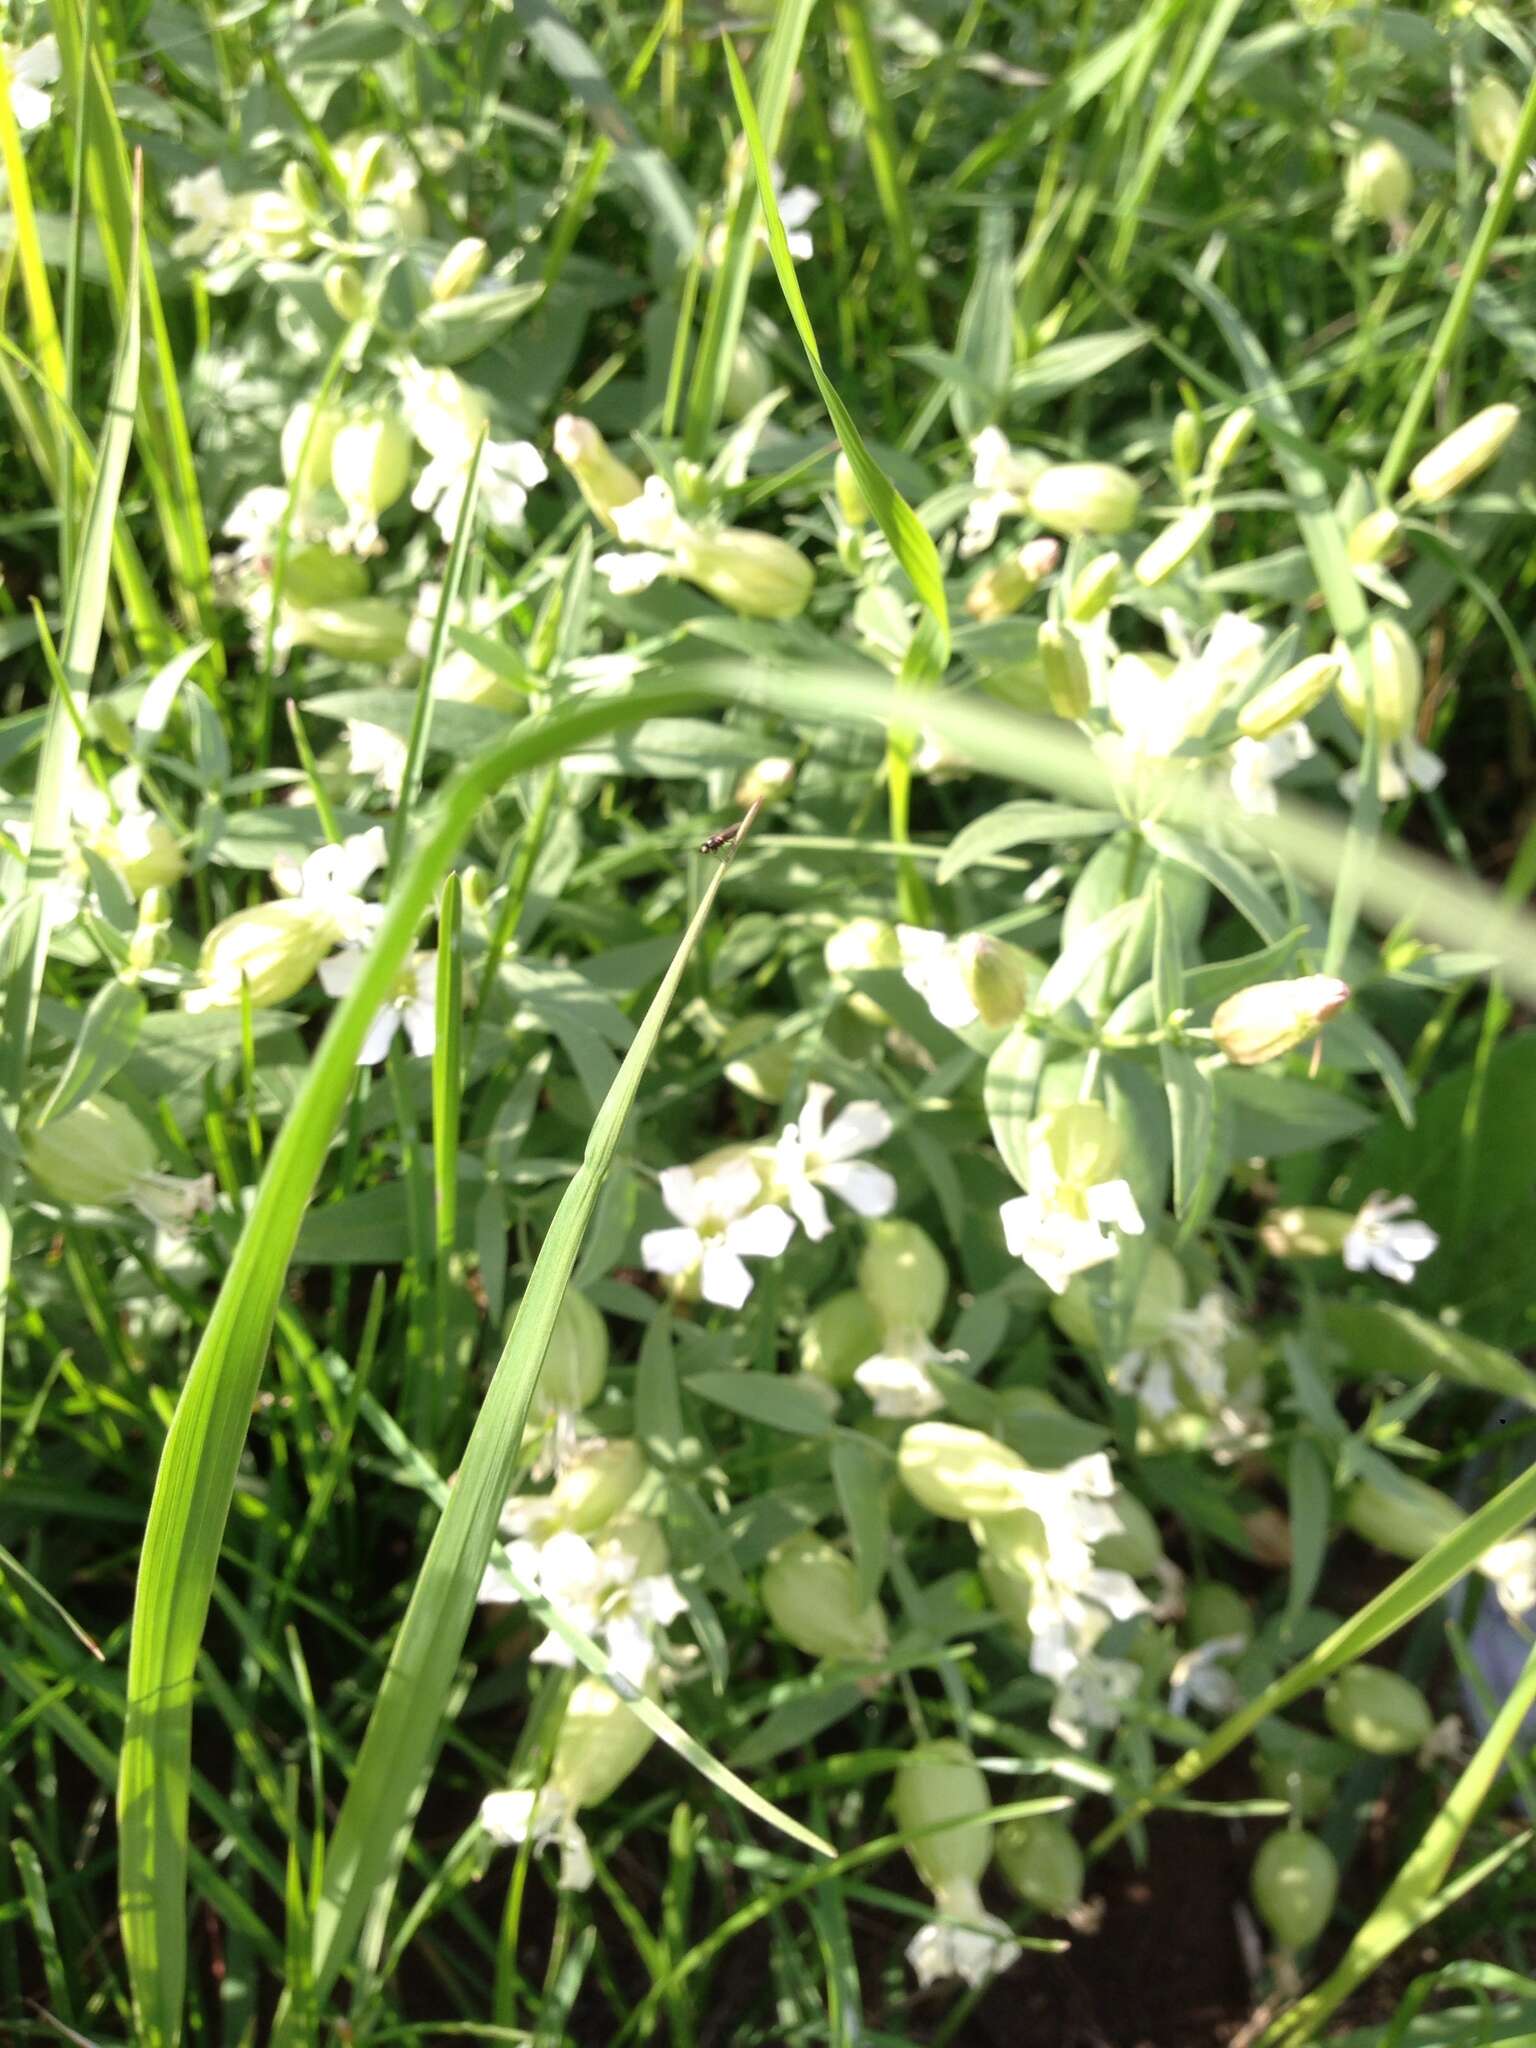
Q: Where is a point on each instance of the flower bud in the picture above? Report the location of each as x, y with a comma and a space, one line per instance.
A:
1066, 670
595, 1485
370, 464
1372, 538
1136, 1547
1273, 1017
811, 1592
996, 977
459, 270
92, 1155
903, 1276
749, 379
756, 574
765, 780
1040, 1858
152, 930
1229, 440
1397, 681
1085, 497
316, 575
363, 629
1493, 117
1379, 182
320, 436
849, 492
1173, 547
1304, 1233
998, 591
942, 1782
1289, 697
642, 1540
1093, 588
1184, 446
1377, 1710
838, 1336
599, 1744
345, 291
1213, 1611
1294, 1883
1463, 454
140, 845
959, 1474
576, 1363
1297, 1766
602, 479
1076, 1146
1405, 1519
274, 948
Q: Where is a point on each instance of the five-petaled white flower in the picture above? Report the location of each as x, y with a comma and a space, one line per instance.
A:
376, 753
599, 1587
32, 71
1002, 481
723, 1223
1062, 1225
332, 878
969, 1943
933, 964
1386, 1236
896, 1377
412, 1003
1257, 765
547, 1816
810, 1156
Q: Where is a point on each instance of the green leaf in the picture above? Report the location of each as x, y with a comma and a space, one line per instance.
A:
1275, 1115
984, 336
1310, 1499
860, 1477
1024, 823
1009, 1091
1062, 366
1382, 1339
762, 1398
910, 540
108, 1033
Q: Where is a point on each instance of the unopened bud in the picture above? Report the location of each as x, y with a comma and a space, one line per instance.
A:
372, 629
1373, 537
1229, 440
599, 1744
1085, 497
940, 1782
1093, 588
273, 949
1289, 697
308, 436
1294, 1883
1066, 670
1078, 1145
1304, 1233
1379, 182
749, 379
849, 492
838, 1336
1173, 546
1463, 454
150, 933
317, 575
903, 1276
996, 977
1274, 1017
1493, 117
92, 1155
1040, 1858
1405, 1519
1396, 681
602, 479
576, 1362
1184, 446
1377, 1710
811, 1592
345, 291
765, 780
595, 1485
998, 591
1214, 1612
756, 574
370, 464
459, 270
959, 1474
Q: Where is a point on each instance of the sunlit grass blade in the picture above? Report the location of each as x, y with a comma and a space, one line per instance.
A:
195, 1482
1409, 1594
880, 144
1412, 1896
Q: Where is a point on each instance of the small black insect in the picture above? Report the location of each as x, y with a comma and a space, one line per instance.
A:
717, 842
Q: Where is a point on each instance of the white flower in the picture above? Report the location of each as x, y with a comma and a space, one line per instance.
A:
32, 70
461, 677
412, 1003
977, 1948
376, 753
1068, 1231
1257, 765
796, 205
809, 1157
932, 964
896, 1377
1386, 1237
1185, 1370
1201, 1677
332, 878
1156, 712
1094, 1695
1512, 1567
1002, 480
1403, 764
724, 1222
508, 471
628, 575
511, 1817
598, 1587
171, 1202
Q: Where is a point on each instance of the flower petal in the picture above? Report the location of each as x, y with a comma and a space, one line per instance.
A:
762, 1233
867, 1189
671, 1251
724, 1279
859, 1127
